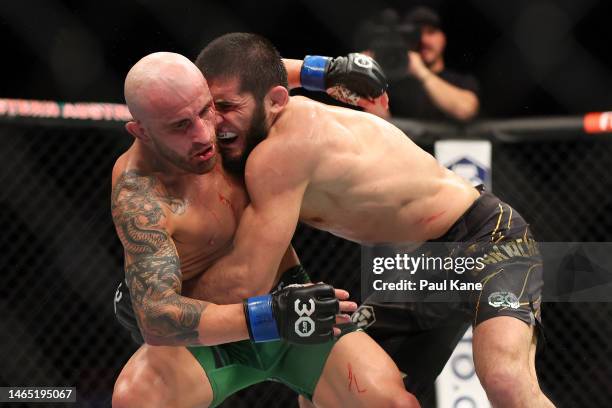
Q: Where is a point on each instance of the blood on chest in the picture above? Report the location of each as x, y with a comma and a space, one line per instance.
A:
205, 231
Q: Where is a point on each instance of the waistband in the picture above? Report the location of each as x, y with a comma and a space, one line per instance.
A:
473, 218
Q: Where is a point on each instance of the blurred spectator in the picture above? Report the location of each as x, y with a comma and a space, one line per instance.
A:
412, 54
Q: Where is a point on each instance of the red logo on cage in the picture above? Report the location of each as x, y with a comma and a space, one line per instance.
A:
598, 122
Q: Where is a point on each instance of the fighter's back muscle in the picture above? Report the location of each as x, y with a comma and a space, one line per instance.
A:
371, 183
211, 205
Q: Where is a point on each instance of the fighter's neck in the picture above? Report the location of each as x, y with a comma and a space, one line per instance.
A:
274, 118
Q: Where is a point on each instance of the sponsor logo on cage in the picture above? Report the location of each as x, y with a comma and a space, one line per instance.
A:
50, 109
304, 326
469, 169
364, 317
504, 299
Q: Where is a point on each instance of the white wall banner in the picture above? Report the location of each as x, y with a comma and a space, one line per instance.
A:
458, 386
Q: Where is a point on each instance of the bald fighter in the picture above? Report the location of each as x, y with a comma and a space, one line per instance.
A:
175, 210
360, 178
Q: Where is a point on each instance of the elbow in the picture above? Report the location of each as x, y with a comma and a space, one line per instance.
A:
247, 287
166, 324
244, 286
153, 340
153, 333
468, 109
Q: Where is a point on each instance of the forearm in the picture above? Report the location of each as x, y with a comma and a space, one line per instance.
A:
234, 289
223, 324
293, 68
182, 321
241, 280
459, 103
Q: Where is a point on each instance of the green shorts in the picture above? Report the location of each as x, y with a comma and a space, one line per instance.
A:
233, 366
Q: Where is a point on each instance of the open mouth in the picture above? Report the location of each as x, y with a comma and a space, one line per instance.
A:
206, 153
226, 138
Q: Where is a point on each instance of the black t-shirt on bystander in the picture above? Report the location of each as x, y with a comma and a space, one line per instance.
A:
408, 98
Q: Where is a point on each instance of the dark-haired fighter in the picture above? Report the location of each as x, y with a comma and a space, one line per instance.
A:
175, 211
359, 177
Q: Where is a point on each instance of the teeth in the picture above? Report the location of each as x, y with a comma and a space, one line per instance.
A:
226, 135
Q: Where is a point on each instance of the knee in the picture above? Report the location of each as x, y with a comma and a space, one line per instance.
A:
145, 391
400, 399
405, 400
504, 386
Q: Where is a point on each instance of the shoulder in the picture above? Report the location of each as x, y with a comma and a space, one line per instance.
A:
293, 134
278, 164
299, 117
141, 196
134, 181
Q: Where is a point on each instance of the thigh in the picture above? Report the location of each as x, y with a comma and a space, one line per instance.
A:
419, 337
162, 376
357, 373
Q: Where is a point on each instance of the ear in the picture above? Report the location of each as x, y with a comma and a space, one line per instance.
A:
276, 99
135, 129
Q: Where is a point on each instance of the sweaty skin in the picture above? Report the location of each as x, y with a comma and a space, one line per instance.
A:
367, 182
176, 210
343, 171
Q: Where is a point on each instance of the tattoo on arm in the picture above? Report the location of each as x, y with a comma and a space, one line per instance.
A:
152, 265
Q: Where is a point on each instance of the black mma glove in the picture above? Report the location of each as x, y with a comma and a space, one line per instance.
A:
124, 312
298, 314
346, 78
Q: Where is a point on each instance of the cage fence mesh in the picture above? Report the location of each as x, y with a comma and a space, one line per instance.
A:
62, 261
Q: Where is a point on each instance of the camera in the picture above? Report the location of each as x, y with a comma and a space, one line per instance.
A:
390, 40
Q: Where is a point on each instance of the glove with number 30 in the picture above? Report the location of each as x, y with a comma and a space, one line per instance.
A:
299, 314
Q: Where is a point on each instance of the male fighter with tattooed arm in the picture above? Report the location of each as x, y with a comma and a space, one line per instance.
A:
175, 211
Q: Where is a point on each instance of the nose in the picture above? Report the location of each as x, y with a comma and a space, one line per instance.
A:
204, 131
218, 118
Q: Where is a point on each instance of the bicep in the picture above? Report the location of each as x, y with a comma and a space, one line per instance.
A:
140, 215
269, 221
265, 231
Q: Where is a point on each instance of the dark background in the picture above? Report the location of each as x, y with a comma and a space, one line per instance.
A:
61, 260
532, 57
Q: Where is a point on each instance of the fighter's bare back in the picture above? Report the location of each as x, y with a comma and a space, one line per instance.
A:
368, 182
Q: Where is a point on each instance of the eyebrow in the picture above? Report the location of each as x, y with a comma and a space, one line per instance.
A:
179, 121
225, 102
208, 105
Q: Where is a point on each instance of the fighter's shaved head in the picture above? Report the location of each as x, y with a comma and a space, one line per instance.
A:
173, 112
155, 82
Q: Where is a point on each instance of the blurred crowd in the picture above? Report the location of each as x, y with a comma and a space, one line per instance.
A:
410, 48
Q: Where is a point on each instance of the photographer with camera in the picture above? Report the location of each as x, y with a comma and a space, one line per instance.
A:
411, 54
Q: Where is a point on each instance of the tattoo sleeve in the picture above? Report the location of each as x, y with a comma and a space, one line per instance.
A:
152, 267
